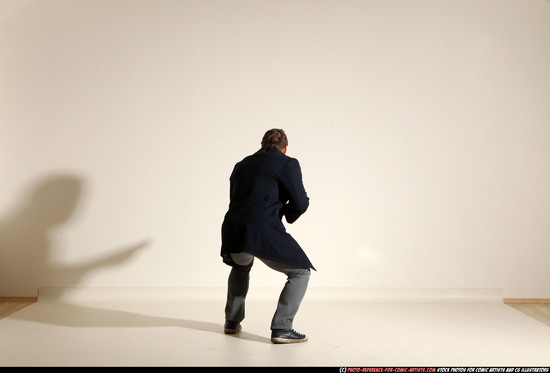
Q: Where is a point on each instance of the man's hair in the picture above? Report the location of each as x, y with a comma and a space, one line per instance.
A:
275, 137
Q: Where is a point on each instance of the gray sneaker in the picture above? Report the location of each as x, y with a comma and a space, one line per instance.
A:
281, 336
232, 327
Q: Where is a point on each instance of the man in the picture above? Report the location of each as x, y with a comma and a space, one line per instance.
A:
264, 187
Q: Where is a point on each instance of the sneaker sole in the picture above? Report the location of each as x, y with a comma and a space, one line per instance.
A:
231, 331
287, 340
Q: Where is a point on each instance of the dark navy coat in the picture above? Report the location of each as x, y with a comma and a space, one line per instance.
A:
264, 187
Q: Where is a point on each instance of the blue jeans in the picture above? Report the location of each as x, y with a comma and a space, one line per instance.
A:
289, 300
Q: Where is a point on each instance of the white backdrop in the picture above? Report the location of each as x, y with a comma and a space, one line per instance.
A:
422, 128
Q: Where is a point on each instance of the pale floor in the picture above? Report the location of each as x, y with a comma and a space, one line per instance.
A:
188, 331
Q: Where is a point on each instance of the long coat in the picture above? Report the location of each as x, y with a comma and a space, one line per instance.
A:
264, 187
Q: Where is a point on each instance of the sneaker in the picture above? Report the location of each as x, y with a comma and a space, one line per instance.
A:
232, 327
287, 336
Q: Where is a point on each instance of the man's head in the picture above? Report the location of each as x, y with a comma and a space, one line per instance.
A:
275, 137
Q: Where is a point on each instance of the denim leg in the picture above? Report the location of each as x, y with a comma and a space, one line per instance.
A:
292, 294
237, 288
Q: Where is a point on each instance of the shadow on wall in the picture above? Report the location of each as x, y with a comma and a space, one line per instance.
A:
26, 245
27, 240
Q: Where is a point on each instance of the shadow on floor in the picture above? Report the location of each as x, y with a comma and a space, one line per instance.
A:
71, 315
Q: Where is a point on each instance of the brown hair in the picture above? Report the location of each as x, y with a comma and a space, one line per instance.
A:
275, 137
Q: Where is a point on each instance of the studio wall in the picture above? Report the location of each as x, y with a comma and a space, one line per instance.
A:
422, 128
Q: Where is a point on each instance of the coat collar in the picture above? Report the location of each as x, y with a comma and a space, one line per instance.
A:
269, 150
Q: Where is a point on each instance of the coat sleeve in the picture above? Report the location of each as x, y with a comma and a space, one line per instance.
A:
298, 201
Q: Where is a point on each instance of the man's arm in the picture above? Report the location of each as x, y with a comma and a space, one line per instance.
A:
291, 180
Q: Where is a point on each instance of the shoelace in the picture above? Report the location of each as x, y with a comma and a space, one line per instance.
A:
292, 331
